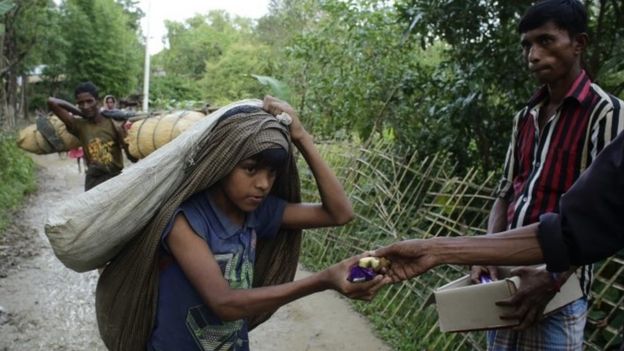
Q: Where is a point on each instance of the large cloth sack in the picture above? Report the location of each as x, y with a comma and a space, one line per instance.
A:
48, 135
89, 230
127, 291
151, 133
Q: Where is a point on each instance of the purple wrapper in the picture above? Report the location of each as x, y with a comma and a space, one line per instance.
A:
360, 274
485, 278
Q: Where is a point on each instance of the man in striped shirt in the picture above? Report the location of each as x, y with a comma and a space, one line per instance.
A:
555, 137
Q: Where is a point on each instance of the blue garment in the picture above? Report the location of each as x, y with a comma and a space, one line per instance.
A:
183, 321
561, 330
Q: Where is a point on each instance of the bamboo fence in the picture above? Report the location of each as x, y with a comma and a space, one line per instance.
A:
399, 196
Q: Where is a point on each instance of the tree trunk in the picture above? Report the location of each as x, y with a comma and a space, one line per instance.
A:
3, 63
23, 103
12, 98
12, 55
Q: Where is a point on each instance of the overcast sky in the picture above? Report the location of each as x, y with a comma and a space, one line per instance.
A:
179, 10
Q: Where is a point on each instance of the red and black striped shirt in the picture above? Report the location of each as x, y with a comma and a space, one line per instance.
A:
542, 165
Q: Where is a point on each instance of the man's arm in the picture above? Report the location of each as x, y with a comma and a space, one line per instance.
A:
411, 258
64, 110
497, 222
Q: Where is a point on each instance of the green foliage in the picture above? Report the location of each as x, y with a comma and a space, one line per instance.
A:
50, 56
196, 41
441, 75
28, 20
482, 80
166, 90
348, 70
279, 89
357, 69
211, 58
17, 176
100, 45
228, 78
5, 6
285, 21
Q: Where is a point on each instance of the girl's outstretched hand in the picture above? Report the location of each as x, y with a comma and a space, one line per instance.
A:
337, 278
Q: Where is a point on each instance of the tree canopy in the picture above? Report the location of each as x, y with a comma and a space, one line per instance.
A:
428, 75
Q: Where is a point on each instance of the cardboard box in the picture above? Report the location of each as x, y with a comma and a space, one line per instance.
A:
464, 306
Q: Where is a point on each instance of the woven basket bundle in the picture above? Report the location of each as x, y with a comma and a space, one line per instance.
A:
147, 135
47, 136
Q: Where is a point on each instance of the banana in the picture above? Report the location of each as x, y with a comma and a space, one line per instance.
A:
376, 263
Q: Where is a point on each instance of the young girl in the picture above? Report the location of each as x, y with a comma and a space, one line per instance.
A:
208, 249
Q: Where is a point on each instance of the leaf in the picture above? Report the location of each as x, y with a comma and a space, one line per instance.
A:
596, 315
5, 6
278, 88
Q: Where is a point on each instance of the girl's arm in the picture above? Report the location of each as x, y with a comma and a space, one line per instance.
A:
200, 267
335, 207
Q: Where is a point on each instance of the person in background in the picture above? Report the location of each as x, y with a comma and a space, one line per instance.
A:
555, 137
110, 103
102, 139
77, 154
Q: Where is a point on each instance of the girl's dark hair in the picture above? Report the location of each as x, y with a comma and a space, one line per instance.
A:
87, 87
276, 158
240, 109
569, 15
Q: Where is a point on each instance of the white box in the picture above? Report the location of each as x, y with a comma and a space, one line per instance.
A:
464, 306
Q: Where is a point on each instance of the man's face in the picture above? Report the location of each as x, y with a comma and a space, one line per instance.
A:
550, 52
87, 104
110, 104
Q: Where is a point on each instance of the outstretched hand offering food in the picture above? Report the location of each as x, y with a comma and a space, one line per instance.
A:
367, 268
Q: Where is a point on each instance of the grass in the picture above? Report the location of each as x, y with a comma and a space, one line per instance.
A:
17, 177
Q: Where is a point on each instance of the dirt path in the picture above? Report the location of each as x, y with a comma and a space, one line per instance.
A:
45, 306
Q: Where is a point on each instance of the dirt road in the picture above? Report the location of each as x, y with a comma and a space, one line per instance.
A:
45, 306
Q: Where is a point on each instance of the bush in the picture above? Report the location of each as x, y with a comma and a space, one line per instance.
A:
17, 176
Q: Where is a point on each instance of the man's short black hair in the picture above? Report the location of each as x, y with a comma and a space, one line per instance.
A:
569, 15
87, 87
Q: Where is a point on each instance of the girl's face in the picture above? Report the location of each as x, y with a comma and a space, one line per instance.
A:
246, 186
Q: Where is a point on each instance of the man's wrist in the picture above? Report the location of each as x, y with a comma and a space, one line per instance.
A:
443, 250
